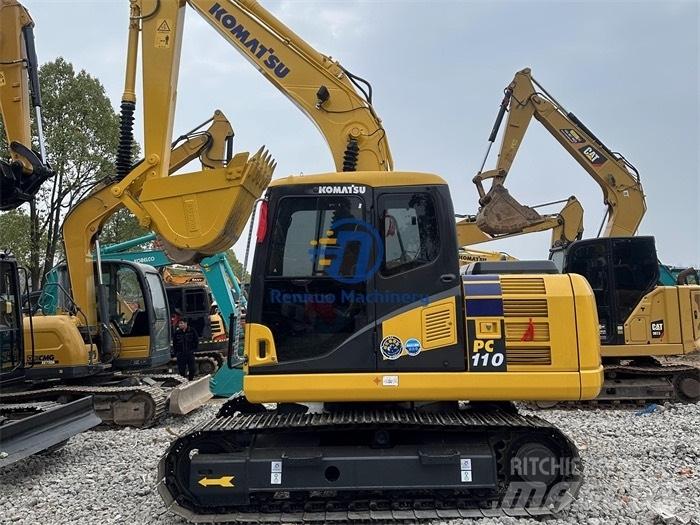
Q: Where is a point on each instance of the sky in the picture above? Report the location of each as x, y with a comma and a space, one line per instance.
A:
628, 69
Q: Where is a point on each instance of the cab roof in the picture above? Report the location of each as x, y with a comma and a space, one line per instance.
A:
374, 179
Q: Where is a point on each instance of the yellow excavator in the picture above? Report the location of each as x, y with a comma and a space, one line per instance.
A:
117, 321
639, 319
357, 309
24, 429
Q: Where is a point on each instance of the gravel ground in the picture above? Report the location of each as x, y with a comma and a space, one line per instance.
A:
636, 468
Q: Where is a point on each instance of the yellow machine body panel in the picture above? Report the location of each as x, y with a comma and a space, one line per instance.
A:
665, 322
375, 179
542, 357
57, 343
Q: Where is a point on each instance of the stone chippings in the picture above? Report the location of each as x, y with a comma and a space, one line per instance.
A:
639, 469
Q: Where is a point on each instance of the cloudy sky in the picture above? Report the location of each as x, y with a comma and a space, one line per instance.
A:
628, 69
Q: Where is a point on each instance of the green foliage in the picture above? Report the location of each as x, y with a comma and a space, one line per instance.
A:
237, 267
14, 226
81, 129
122, 226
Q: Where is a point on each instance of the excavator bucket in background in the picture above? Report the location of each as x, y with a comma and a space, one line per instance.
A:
203, 213
502, 214
190, 396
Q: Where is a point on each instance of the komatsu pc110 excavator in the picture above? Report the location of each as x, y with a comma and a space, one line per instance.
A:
117, 321
638, 318
357, 308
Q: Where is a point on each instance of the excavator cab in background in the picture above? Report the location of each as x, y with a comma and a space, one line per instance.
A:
639, 319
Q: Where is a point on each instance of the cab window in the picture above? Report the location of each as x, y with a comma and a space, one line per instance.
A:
410, 230
303, 226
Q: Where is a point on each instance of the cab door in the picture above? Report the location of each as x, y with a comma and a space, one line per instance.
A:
417, 288
310, 282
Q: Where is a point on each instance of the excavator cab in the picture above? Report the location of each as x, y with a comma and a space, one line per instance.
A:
138, 310
620, 270
138, 314
11, 345
322, 282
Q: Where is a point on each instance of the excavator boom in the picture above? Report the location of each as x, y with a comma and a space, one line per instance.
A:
323, 89
21, 176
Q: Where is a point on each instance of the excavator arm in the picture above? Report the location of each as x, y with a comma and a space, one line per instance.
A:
566, 227
619, 180
24, 173
248, 177
323, 89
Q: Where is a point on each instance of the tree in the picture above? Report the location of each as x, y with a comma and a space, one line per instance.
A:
14, 226
82, 131
237, 267
122, 226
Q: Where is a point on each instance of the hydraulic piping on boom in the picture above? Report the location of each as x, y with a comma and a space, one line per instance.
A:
622, 189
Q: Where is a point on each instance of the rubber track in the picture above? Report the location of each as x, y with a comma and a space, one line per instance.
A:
155, 394
362, 508
215, 359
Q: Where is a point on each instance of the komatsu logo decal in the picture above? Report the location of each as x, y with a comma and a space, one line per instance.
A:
256, 48
351, 189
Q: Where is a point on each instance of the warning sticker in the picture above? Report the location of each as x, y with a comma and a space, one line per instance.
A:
275, 473
163, 25
163, 33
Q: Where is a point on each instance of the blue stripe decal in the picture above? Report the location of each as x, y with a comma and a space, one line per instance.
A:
484, 307
480, 278
472, 289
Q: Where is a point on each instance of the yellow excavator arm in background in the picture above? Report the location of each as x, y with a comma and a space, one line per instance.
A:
248, 178
566, 226
23, 174
619, 180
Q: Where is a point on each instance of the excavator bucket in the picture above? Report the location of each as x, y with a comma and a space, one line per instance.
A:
190, 396
203, 213
502, 214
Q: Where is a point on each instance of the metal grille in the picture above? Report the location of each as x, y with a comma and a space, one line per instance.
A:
522, 285
521, 307
516, 329
529, 355
439, 326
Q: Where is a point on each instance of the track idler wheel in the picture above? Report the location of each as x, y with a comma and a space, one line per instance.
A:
687, 386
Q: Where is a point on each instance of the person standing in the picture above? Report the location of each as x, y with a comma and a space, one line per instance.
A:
185, 342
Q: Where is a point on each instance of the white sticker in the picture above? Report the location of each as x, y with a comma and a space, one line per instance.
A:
466, 476
465, 464
276, 478
390, 380
276, 466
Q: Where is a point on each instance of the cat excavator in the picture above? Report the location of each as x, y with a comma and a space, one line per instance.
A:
639, 319
362, 336
116, 325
